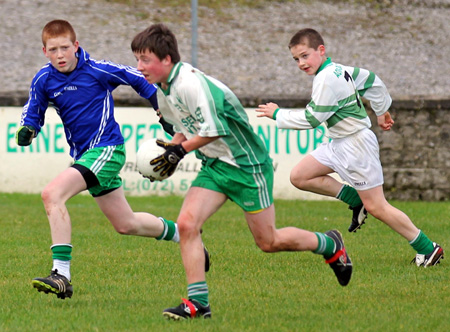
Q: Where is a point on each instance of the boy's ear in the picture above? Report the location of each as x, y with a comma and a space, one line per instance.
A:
44, 49
167, 60
322, 49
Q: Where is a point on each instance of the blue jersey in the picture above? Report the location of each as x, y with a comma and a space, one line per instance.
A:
83, 100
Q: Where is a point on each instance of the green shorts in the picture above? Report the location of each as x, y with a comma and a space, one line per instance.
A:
251, 191
105, 163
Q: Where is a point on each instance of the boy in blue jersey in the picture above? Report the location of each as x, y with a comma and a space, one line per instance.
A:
353, 153
80, 89
209, 119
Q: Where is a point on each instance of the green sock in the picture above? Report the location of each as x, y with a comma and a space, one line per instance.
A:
326, 246
349, 195
199, 291
169, 230
63, 252
422, 244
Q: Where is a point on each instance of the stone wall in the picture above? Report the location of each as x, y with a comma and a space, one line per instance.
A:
415, 154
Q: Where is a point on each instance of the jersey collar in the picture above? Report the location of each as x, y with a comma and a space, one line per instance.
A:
326, 63
173, 73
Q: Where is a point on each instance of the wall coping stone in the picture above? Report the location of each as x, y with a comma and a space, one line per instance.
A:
19, 98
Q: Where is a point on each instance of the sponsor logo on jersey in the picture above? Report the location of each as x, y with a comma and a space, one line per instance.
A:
338, 71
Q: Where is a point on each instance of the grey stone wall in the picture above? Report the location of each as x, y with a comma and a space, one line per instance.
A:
415, 153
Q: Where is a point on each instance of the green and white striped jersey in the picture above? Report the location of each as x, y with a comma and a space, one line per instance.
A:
336, 101
197, 104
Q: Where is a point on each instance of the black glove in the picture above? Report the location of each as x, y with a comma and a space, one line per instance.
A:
25, 135
168, 128
168, 161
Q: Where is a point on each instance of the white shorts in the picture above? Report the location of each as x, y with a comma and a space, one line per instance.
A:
355, 158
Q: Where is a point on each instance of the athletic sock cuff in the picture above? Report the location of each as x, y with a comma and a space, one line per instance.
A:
164, 233
322, 243
171, 228
415, 239
349, 195
62, 251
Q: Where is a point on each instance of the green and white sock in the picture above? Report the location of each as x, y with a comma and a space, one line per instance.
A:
326, 246
199, 291
422, 244
170, 232
62, 255
349, 195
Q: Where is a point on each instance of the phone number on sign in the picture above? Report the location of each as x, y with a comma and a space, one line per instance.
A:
167, 186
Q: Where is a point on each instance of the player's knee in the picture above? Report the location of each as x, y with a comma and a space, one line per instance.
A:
45, 196
266, 246
183, 225
186, 226
48, 196
371, 209
125, 229
376, 209
377, 213
297, 180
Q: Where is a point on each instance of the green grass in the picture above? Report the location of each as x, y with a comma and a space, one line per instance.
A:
123, 283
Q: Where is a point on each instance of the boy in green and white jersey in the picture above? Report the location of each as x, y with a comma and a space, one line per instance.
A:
238, 146
209, 119
353, 152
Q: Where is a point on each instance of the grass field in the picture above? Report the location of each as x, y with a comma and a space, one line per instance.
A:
123, 283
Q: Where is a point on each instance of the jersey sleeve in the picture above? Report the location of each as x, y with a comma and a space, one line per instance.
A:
322, 106
33, 113
116, 74
371, 87
292, 119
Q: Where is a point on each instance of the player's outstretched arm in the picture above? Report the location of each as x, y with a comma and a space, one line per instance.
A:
267, 110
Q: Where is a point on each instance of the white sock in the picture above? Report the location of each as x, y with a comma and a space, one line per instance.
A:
176, 236
63, 267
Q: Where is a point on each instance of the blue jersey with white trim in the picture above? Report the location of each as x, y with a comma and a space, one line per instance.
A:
83, 100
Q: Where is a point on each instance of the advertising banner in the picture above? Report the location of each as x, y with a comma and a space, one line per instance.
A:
29, 169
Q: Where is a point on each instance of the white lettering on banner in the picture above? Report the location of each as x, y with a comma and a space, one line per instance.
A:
29, 169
